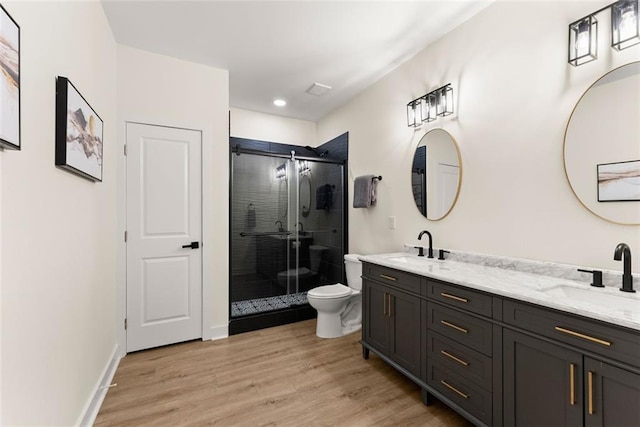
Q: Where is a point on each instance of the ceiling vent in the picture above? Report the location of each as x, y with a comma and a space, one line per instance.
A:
318, 89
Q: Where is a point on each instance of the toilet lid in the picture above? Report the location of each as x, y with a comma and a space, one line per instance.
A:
330, 291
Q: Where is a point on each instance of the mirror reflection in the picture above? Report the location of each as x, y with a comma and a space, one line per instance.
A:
305, 195
435, 174
602, 137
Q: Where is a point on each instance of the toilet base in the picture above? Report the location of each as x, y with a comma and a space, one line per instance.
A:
330, 326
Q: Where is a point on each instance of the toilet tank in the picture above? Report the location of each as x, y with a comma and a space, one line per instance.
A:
353, 267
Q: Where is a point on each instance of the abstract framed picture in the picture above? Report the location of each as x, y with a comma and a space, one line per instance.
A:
79, 133
619, 182
9, 81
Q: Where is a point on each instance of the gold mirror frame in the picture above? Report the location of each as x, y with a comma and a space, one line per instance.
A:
455, 199
564, 149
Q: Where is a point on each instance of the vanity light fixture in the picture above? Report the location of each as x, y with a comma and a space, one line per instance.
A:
625, 26
281, 172
583, 36
583, 33
414, 115
428, 107
444, 101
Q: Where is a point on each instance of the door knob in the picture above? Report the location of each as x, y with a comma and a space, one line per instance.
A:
192, 245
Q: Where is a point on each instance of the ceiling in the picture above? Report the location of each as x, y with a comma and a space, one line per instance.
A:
278, 49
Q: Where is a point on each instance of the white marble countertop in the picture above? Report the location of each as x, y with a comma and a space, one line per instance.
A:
607, 304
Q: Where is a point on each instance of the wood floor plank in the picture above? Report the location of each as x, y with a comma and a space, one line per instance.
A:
282, 376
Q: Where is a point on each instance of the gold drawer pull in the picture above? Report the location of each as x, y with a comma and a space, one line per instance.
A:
572, 386
456, 327
384, 276
451, 356
446, 295
452, 388
590, 381
583, 336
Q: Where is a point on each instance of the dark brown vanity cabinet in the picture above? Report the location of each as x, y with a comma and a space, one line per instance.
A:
499, 361
392, 320
575, 378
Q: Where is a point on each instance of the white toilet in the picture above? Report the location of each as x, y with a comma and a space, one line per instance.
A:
339, 307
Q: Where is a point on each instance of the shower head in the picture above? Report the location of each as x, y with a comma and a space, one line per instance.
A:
316, 151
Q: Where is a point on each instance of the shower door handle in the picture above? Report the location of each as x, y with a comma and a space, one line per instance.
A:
192, 245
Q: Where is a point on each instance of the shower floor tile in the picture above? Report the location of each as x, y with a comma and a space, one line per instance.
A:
262, 305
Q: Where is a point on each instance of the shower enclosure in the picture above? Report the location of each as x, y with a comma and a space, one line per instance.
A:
286, 234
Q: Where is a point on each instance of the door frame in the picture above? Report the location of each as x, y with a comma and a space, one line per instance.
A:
206, 152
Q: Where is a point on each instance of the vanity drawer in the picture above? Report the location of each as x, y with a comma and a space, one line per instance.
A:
466, 299
463, 328
390, 276
457, 358
608, 340
468, 396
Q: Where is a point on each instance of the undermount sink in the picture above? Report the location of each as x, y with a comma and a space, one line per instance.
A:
627, 302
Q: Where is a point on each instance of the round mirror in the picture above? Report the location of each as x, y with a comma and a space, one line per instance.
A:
305, 195
436, 173
602, 146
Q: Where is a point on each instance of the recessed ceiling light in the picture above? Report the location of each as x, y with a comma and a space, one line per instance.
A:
279, 102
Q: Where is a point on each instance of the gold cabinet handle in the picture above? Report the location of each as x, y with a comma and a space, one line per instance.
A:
452, 388
384, 304
456, 327
590, 391
446, 295
451, 356
572, 384
583, 336
384, 276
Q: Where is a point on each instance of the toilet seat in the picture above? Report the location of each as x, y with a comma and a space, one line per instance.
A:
330, 291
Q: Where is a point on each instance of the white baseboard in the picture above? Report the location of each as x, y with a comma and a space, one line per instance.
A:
92, 407
218, 333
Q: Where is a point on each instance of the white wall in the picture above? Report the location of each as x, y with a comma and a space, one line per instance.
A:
268, 127
514, 94
160, 90
58, 230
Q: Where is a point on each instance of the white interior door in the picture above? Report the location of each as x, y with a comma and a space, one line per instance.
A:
448, 176
164, 273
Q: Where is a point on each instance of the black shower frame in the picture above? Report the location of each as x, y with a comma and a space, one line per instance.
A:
287, 315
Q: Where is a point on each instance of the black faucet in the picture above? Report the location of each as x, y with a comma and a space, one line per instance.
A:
280, 229
624, 252
300, 230
430, 253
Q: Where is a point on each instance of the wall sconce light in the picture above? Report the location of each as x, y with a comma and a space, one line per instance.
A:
281, 172
444, 97
414, 116
625, 26
583, 33
428, 107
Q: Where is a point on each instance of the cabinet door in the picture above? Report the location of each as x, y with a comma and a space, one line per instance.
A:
406, 346
612, 395
376, 318
542, 383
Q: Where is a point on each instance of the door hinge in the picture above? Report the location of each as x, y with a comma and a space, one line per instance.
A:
125, 149
125, 324
125, 236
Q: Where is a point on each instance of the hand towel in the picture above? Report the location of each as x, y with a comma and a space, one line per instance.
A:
324, 197
364, 191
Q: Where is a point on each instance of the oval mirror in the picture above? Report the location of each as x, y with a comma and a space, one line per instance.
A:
305, 195
602, 146
283, 198
436, 173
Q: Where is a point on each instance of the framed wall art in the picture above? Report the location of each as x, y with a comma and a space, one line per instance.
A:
619, 182
79, 133
9, 81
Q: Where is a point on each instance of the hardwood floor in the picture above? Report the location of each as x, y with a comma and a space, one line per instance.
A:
284, 376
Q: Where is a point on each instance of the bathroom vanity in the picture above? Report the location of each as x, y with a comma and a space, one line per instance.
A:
505, 347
